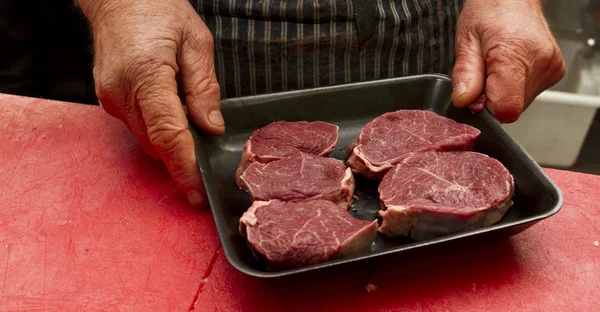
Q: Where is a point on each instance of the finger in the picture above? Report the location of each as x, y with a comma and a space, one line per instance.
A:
137, 126
131, 117
468, 74
167, 130
548, 69
200, 86
505, 85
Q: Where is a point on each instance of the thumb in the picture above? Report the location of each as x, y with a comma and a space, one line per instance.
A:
200, 86
468, 74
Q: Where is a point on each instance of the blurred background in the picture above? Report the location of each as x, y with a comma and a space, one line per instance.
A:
45, 51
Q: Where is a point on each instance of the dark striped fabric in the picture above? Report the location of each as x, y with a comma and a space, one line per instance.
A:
264, 46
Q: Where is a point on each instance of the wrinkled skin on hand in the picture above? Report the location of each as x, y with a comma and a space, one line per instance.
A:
506, 51
140, 46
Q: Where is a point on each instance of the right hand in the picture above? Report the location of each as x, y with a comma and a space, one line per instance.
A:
506, 51
140, 46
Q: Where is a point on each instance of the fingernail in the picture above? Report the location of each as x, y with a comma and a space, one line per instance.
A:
215, 118
460, 88
196, 199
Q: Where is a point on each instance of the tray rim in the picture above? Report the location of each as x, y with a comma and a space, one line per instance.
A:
198, 136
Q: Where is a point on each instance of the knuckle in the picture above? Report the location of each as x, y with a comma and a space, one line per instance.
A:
562, 70
508, 54
551, 64
199, 34
545, 56
197, 62
166, 134
151, 84
140, 72
134, 73
546, 53
105, 81
205, 37
142, 66
198, 72
169, 140
183, 172
145, 80
206, 86
556, 74
108, 90
557, 64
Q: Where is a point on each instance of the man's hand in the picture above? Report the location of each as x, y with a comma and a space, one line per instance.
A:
506, 51
140, 46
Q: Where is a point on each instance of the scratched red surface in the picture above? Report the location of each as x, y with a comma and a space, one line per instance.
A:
90, 223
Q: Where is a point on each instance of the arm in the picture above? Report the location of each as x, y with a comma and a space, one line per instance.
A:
140, 46
504, 49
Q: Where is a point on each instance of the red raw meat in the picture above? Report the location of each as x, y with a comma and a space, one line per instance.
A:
433, 194
293, 234
478, 105
299, 177
392, 137
282, 138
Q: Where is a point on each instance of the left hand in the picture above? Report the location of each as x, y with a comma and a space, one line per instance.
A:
506, 51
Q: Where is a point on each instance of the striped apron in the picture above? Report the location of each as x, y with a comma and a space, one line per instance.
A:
264, 46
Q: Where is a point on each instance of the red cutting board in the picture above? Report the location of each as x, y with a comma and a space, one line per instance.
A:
88, 222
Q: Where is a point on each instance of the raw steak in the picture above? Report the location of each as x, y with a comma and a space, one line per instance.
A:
300, 176
282, 138
293, 234
433, 194
392, 137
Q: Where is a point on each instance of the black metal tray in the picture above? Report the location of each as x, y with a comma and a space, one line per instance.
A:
350, 107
